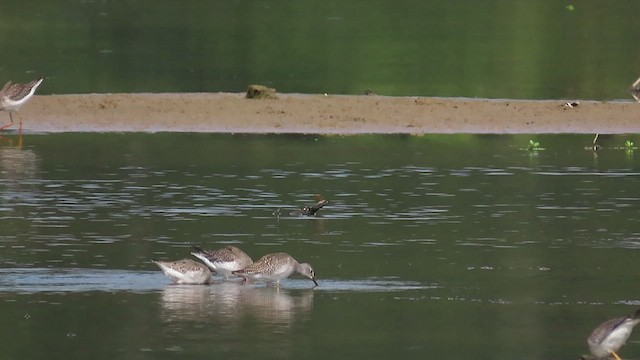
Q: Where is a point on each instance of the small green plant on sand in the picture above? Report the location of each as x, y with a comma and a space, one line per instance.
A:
628, 145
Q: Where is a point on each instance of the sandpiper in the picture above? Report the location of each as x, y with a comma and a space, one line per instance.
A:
13, 96
272, 268
185, 271
609, 336
225, 260
311, 209
635, 90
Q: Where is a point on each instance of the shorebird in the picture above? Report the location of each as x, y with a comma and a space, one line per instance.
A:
635, 90
13, 96
609, 336
185, 271
311, 209
272, 268
223, 261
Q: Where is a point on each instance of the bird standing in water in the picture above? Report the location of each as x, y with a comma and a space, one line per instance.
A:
223, 261
272, 268
13, 96
608, 337
185, 272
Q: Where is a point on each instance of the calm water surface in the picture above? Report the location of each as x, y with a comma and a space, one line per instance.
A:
431, 246
544, 49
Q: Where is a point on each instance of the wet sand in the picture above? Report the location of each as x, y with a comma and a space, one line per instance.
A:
323, 114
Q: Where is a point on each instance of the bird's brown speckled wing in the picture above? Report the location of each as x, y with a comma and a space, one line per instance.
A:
600, 333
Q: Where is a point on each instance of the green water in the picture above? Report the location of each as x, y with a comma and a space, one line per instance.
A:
451, 246
496, 49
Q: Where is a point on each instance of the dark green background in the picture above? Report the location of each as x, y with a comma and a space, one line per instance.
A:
496, 48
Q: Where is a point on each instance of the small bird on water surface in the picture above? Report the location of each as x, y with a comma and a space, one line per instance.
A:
311, 209
223, 261
609, 336
272, 268
185, 271
13, 96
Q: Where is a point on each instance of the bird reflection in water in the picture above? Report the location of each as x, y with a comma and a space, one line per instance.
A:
18, 170
18, 163
233, 302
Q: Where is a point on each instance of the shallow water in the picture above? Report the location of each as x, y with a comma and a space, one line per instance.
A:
427, 243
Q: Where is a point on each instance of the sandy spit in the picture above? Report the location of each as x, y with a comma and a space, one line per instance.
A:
322, 114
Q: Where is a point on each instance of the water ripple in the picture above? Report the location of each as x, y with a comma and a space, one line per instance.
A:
35, 280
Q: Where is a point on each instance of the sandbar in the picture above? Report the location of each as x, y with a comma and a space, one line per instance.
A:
322, 114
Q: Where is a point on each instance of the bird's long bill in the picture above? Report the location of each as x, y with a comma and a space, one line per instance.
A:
314, 281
